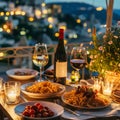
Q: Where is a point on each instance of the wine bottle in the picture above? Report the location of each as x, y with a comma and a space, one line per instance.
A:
60, 60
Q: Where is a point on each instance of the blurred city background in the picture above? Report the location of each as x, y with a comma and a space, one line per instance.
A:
26, 22
38, 21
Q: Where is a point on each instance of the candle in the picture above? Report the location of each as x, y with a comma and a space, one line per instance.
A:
97, 85
107, 91
75, 76
12, 92
107, 88
12, 96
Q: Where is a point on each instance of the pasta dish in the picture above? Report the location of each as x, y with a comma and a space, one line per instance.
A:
84, 97
44, 87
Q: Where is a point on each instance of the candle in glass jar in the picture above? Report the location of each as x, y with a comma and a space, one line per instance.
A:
12, 96
107, 88
107, 91
97, 85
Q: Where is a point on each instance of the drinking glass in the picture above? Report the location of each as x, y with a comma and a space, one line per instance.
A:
40, 57
78, 59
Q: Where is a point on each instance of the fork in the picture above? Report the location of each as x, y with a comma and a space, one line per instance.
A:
57, 101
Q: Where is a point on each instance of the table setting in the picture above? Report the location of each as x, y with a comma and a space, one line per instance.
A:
74, 112
79, 99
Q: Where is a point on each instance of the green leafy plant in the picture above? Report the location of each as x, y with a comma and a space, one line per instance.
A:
105, 52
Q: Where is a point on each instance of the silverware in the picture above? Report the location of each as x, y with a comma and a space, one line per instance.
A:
23, 98
57, 101
72, 112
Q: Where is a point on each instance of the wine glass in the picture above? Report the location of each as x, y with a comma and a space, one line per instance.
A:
78, 58
40, 57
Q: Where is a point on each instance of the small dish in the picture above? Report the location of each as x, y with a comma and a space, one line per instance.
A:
57, 109
22, 73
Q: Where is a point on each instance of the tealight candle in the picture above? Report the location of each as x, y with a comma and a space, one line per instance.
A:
12, 96
107, 88
97, 85
12, 92
75, 76
107, 91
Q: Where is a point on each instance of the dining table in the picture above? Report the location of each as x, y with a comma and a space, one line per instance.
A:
7, 111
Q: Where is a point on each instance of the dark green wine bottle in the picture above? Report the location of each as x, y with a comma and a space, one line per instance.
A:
60, 60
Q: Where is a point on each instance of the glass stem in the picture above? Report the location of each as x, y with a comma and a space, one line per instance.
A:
83, 73
40, 75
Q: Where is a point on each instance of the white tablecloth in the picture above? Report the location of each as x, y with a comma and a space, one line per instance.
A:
112, 110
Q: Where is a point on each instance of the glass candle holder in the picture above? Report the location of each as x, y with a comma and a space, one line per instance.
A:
1, 84
75, 76
97, 85
107, 88
12, 92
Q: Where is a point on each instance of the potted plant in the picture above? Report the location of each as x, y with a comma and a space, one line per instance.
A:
104, 52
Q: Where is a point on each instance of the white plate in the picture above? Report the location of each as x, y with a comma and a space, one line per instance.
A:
11, 73
38, 95
87, 108
57, 109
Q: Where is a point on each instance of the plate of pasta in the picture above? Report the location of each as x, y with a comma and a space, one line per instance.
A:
84, 97
44, 89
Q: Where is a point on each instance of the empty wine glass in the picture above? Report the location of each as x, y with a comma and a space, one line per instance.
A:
78, 59
40, 57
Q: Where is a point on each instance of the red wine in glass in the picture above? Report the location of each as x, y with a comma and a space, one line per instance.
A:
78, 58
78, 63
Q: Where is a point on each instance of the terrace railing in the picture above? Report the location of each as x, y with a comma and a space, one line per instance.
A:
11, 57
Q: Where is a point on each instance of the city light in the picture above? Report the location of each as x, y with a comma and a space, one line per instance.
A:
50, 19
2, 13
56, 34
22, 32
6, 18
12, 12
31, 19
99, 8
7, 13
1, 29
85, 24
38, 13
50, 26
78, 21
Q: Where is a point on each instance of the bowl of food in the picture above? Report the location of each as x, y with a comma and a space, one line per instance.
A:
38, 110
22, 73
44, 89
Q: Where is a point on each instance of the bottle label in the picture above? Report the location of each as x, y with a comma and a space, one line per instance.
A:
61, 69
